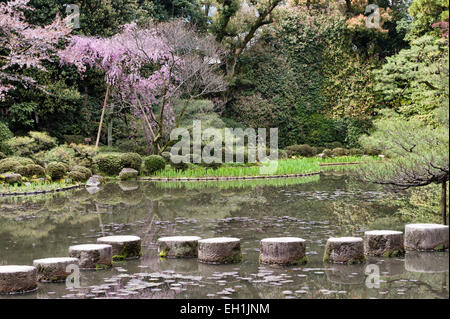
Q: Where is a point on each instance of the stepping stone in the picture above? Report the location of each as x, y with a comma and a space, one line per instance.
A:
54, 269
123, 247
283, 251
17, 279
426, 262
426, 237
220, 250
178, 246
92, 256
344, 250
385, 243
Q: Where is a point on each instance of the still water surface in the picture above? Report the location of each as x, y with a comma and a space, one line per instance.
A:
313, 209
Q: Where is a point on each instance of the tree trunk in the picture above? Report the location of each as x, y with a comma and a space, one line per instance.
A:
444, 202
110, 127
101, 119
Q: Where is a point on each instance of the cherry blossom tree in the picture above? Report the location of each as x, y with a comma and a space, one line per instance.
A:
151, 67
24, 45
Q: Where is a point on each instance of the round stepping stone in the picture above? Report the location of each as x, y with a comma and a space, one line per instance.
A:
92, 256
220, 250
123, 247
53, 269
17, 279
344, 250
385, 243
283, 251
426, 262
178, 246
426, 237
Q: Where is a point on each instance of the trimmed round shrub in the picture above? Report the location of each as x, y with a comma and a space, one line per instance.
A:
77, 176
154, 163
132, 160
109, 163
86, 172
282, 154
300, 150
340, 151
10, 164
22, 170
35, 170
56, 170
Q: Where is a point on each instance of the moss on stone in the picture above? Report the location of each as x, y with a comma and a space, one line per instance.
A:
439, 247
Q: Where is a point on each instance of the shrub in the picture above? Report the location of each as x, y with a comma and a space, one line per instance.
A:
9, 164
166, 156
340, 151
56, 170
319, 149
22, 170
179, 166
109, 163
77, 176
61, 154
21, 145
371, 151
154, 163
42, 141
355, 151
2, 155
282, 154
327, 152
86, 172
35, 170
132, 160
300, 150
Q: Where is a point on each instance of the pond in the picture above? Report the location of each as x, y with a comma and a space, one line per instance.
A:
313, 208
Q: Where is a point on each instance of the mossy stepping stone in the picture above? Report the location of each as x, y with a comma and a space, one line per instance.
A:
344, 250
383, 243
54, 269
17, 279
92, 256
123, 247
426, 237
220, 250
178, 246
283, 251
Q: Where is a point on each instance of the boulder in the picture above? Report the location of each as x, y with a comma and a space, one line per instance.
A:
128, 173
12, 178
94, 181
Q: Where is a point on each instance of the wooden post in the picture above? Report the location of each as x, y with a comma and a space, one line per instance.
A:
101, 118
444, 202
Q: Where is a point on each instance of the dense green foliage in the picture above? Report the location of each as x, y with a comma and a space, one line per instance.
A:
154, 163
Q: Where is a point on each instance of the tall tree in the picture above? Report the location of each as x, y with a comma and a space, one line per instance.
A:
418, 153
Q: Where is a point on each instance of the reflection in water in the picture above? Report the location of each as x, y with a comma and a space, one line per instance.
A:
427, 262
314, 209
